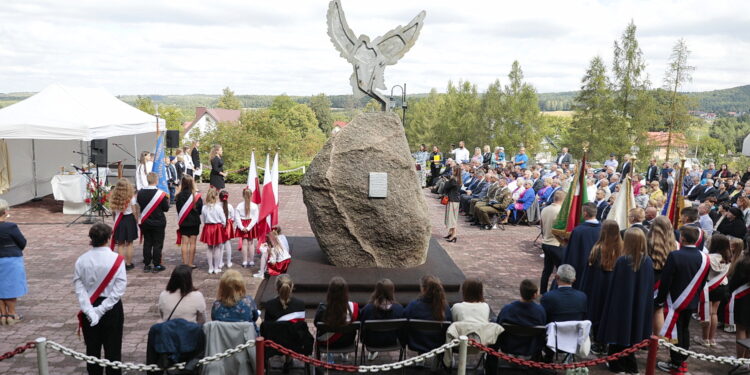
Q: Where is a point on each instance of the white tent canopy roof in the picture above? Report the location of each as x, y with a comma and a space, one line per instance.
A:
72, 113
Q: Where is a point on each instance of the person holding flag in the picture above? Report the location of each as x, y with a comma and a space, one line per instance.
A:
247, 214
153, 202
189, 205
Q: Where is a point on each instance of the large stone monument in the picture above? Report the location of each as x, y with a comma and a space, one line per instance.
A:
353, 228
363, 198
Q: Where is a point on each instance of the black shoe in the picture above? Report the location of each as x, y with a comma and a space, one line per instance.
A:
129, 267
158, 268
487, 227
452, 239
146, 268
447, 237
667, 366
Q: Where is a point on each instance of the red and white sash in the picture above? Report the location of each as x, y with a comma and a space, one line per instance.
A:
118, 218
184, 212
100, 289
674, 307
292, 317
704, 306
330, 337
737, 294
151, 206
657, 284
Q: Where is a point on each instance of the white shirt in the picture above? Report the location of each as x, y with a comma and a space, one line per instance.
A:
188, 160
90, 270
140, 176
213, 214
277, 256
462, 154
706, 224
284, 242
239, 214
611, 163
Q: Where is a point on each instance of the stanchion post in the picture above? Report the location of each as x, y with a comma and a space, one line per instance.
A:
462, 348
653, 348
303, 169
260, 355
41, 356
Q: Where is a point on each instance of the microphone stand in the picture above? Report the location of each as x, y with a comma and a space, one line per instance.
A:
123, 150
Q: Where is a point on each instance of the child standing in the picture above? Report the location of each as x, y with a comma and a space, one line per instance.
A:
214, 219
246, 218
125, 230
228, 228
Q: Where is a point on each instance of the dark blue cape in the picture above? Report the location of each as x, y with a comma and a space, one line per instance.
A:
595, 284
628, 312
582, 239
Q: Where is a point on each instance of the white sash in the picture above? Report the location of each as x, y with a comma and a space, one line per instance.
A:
155, 200
292, 316
669, 329
705, 303
186, 208
738, 293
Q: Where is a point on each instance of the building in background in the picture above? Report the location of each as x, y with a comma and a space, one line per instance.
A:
207, 118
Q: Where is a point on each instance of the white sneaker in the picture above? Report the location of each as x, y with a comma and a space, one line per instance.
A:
229, 265
221, 266
244, 264
251, 264
258, 275
210, 271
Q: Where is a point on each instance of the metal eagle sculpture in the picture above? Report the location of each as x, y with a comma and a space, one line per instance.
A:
369, 58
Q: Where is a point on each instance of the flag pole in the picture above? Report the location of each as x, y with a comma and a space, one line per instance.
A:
678, 195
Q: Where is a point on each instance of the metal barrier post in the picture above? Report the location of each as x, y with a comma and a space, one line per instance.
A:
41, 356
462, 348
303, 169
260, 355
653, 348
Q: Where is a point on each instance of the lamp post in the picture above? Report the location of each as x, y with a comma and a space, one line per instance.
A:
404, 106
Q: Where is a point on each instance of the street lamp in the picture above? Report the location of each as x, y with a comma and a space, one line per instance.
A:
404, 106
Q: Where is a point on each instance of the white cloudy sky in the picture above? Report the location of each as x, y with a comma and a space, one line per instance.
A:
281, 46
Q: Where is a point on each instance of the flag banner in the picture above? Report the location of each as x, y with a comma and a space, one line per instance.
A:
254, 186
675, 199
571, 213
623, 203
159, 167
275, 186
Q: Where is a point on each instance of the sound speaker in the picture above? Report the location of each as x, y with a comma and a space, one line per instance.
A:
173, 138
99, 152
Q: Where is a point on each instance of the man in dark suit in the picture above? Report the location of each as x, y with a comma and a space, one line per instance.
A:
582, 239
651, 214
555, 187
153, 204
564, 303
684, 273
652, 173
473, 192
538, 181
627, 166
708, 191
564, 157
601, 204
636, 217
692, 192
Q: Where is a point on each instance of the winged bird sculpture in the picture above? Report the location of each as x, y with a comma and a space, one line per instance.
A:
369, 58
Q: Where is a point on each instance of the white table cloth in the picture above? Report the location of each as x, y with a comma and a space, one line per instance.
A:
71, 189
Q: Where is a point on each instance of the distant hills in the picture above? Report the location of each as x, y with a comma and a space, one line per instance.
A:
736, 99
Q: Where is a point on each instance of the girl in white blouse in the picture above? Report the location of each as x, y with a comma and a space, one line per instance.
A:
214, 234
145, 164
473, 308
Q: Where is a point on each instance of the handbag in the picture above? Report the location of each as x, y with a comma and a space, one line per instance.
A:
444, 200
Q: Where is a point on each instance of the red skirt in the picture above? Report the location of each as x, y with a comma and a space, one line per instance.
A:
249, 235
279, 267
214, 234
230, 229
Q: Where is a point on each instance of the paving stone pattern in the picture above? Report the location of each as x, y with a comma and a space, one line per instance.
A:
500, 258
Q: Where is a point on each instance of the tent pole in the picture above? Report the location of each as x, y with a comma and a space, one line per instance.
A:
33, 165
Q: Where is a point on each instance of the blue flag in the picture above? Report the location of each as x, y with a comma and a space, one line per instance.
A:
159, 168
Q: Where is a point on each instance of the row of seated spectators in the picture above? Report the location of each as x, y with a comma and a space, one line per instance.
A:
342, 325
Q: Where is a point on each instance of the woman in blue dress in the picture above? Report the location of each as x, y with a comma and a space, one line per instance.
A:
232, 302
13, 284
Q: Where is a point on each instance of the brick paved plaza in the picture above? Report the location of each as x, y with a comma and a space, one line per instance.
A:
500, 258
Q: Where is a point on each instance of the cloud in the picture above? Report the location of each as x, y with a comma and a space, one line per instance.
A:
194, 46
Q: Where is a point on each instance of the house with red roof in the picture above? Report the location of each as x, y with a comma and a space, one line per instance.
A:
206, 118
338, 125
658, 140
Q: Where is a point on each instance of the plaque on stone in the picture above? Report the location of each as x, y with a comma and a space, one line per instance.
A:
378, 185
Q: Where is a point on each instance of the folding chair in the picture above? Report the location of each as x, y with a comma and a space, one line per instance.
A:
291, 335
392, 326
323, 348
518, 331
429, 334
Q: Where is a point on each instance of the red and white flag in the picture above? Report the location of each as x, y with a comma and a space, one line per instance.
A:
269, 206
254, 186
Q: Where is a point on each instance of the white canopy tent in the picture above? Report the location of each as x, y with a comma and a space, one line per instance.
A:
51, 130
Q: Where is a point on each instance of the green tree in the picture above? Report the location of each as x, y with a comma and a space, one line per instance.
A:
145, 104
678, 73
173, 116
228, 100
595, 120
460, 117
423, 119
519, 120
321, 105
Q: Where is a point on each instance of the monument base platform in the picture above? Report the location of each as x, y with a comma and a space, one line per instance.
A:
311, 273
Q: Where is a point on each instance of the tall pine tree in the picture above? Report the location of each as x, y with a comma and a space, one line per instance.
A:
678, 73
